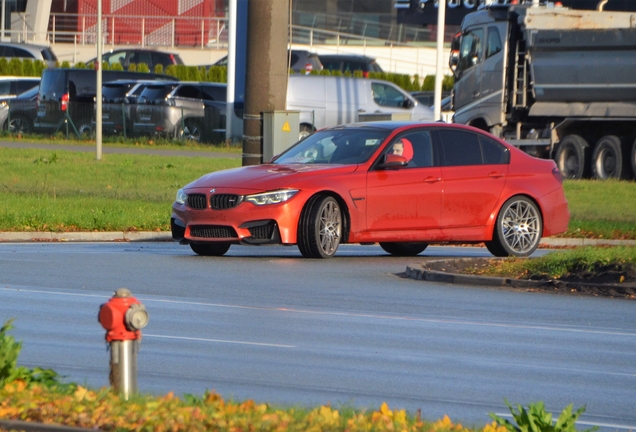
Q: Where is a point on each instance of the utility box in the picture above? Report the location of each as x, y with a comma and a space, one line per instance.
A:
384, 117
281, 129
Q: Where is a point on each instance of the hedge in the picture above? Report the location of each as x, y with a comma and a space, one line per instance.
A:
26, 67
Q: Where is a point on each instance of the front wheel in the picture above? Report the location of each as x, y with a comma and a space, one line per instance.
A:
320, 228
210, 249
517, 230
404, 248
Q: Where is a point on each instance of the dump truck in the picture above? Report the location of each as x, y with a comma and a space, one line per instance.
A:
556, 82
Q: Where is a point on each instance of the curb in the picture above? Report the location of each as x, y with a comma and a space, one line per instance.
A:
23, 426
151, 236
420, 272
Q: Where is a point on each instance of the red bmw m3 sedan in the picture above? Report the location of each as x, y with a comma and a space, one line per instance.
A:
402, 185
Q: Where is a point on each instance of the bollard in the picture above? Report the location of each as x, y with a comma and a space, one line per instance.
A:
123, 317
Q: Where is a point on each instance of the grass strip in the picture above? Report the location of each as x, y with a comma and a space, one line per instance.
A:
49, 190
560, 264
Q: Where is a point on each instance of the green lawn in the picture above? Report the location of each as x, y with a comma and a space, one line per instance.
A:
64, 191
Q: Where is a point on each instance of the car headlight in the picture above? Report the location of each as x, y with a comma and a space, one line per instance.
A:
274, 197
182, 197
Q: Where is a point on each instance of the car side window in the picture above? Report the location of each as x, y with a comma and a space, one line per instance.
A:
5, 87
416, 147
493, 152
460, 148
214, 93
19, 52
385, 95
188, 91
494, 42
470, 51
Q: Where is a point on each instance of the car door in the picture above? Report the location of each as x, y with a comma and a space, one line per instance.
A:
406, 198
474, 171
468, 74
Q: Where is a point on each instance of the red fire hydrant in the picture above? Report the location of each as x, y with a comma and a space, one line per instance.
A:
123, 317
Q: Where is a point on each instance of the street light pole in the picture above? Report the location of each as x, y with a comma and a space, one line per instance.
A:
439, 75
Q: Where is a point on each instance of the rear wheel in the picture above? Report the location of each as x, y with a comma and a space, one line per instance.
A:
210, 249
607, 159
320, 228
571, 156
404, 248
190, 130
84, 129
517, 230
19, 125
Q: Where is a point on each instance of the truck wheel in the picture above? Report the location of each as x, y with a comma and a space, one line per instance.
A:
571, 157
607, 159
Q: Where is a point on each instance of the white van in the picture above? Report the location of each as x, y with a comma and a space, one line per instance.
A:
329, 101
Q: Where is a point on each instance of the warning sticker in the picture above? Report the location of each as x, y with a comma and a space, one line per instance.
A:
286, 127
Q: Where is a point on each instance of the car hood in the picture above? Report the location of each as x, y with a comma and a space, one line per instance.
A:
268, 176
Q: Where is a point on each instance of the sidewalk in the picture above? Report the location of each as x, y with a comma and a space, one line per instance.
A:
156, 236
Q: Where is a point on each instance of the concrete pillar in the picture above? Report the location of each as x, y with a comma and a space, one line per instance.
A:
266, 71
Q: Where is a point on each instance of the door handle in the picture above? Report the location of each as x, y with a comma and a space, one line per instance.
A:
362, 110
476, 94
431, 179
496, 174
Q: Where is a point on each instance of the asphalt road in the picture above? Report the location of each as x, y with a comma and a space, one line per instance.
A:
264, 323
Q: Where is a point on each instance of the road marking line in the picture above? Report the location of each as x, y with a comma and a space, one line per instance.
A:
348, 314
219, 341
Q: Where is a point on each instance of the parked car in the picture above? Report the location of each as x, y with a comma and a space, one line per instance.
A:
349, 63
68, 94
427, 98
329, 101
345, 185
300, 61
150, 57
119, 101
28, 51
11, 86
190, 110
18, 113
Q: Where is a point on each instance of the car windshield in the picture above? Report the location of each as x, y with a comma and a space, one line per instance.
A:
335, 146
156, 93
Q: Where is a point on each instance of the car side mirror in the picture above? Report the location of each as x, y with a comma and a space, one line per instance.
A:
393, 161
408, 103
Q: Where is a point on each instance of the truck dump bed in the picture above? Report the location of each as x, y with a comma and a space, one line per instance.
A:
580, 56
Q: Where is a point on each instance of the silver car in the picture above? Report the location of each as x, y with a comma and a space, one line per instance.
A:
184, 110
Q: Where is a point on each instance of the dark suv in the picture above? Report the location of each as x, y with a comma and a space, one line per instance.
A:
300, 61
119, 101
68, 95
190, 110
350, 63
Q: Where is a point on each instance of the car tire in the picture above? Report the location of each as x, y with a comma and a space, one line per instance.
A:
571, 157
517, 230
320, 227
607, 159
404, 248
190, 130
19, 124
84, 130
210, 249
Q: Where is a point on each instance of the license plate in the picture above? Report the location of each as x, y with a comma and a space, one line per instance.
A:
144, 118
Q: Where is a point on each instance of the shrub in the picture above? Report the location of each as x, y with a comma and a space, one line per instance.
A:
536, 419
132, 67
429, 83
171, 71
80, 65
15, 67
114, 66
158, 69
143, 67
28, 67
65, 64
